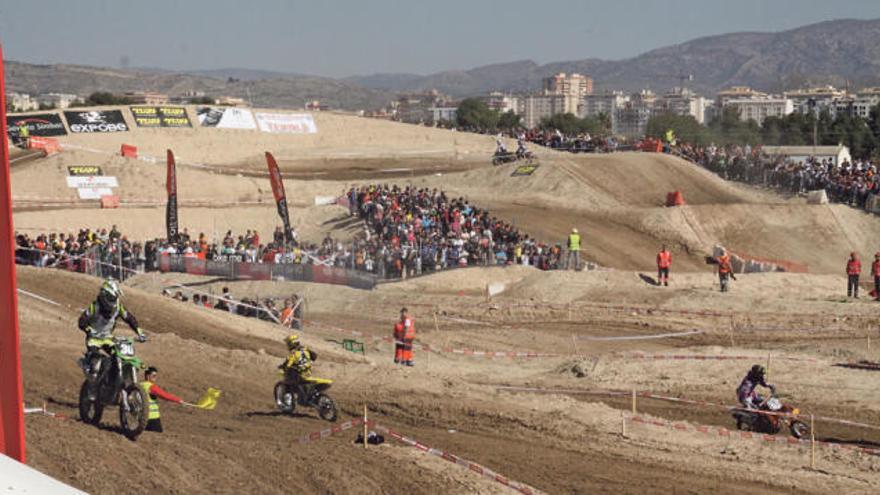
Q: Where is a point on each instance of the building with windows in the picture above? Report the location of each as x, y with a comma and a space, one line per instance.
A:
503, 102
534, 108
57, 100
812, 99
631, 120
736, 93
148, 98
835, 154
759, 108
683, 101
576, 85
21, 102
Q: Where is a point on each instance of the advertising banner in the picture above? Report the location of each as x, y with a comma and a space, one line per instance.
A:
94, 192
96, 121
91, 181
41, 124
171, 205
226, 118
160, 116
280, 198
287, 123
84, 170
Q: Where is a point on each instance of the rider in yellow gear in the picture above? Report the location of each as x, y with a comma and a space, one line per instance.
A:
297, 367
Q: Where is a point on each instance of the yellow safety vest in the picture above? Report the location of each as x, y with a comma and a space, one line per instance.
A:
24, 131
574, 242
153, 404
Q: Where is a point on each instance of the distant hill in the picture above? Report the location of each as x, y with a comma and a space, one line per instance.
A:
831, 52
262, 88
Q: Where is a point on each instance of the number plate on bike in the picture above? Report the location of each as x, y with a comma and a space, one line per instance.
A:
126, 349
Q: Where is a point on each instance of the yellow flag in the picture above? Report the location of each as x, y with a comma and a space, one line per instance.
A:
209, 399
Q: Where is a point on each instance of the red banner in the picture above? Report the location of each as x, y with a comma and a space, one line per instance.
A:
280, 198
11, 403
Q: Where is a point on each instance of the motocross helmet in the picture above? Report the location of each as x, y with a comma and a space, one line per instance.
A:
756, 374
108, 296
293, 342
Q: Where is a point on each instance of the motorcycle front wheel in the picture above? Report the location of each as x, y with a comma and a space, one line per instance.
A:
283, 405
134, 417
326, 408
799, 429
90, 411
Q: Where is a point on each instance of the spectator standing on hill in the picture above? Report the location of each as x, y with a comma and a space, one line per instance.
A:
725, 272
574, 249
404, 335
875, 270
853, 270
664, 261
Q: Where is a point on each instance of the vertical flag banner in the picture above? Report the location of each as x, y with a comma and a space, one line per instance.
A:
280, 198
11, 404
171, 206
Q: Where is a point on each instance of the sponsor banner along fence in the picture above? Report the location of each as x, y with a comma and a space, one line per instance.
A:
321, 274
84, 171
145, 116
287, 123
226, 118
96, 121
92, 181
41, 124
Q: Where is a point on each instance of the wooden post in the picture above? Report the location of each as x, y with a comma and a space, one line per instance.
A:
812, 442
623, 424
436, 324
365, 426
575, 344
768, 364
634, 401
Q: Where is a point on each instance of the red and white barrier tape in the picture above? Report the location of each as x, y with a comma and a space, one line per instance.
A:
470, 465
641, 337
724, 432
317, 436
706, 357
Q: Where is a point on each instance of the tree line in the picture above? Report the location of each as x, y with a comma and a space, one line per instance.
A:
861, 135
474, 114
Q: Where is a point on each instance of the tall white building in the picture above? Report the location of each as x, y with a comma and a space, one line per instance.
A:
22, 102
760, 108
534, 108
57, 100
503, 102
808, 99
632, 118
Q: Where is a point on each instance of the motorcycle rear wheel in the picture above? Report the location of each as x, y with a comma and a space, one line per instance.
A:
799, 429
133, 419
90, 411
326, 408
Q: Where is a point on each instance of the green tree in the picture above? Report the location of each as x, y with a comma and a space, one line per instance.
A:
509, 120
473, 113
685, 127
105, 98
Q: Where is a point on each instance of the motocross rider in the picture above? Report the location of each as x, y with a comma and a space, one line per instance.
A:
521, 146
98, 321
298, 366
746, 392
500, 148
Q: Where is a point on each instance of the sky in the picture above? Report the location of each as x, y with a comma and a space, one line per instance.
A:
358, 37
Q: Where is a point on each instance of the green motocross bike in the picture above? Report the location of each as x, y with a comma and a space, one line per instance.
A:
116, 384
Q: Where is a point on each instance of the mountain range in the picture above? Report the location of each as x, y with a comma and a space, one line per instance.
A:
841, 52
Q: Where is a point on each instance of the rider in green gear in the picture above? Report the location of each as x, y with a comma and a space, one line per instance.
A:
98, 322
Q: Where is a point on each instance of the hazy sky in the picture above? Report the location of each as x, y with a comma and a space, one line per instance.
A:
336, 38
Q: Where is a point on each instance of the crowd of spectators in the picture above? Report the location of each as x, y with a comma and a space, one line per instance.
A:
406, 232
850, 183
411, 231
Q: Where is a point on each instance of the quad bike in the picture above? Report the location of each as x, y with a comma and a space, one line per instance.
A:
311, 393
783, 415
115, 378
501, 158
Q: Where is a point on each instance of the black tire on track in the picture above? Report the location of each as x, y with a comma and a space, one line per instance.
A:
326, 408
134, 421
89, 411
799, 429
280, 390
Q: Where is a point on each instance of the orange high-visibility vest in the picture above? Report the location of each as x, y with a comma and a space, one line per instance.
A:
664, 259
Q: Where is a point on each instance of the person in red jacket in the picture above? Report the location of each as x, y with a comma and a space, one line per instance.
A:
153, 391
853, 270
404, 335
875, 270
664, 261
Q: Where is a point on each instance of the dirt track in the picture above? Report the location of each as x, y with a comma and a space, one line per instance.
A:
553, 443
